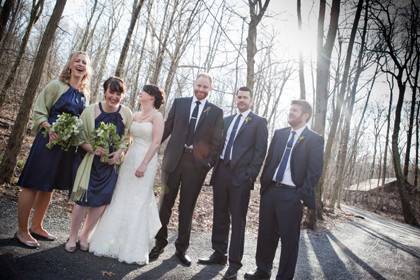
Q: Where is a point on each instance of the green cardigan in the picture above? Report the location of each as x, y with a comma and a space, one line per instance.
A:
87, 133
45, 100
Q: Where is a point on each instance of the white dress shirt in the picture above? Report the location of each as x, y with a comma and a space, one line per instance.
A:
287, 177
200, 108
229, 131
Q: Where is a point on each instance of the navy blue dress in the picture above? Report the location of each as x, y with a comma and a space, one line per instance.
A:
47, 169
103, 177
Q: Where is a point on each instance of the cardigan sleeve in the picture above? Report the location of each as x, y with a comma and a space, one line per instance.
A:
44, 102
127, 118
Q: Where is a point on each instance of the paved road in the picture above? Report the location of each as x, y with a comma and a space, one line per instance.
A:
368, 247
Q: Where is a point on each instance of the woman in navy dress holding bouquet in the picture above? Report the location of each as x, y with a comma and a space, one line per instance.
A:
50, 168
97, 173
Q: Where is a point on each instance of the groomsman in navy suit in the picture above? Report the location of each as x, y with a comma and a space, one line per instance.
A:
244, 149
291, 171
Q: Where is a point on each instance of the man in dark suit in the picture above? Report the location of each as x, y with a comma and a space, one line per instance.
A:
292, 169
196, 127
245, 145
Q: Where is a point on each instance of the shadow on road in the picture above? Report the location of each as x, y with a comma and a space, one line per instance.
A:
55, 263
331, 264
356, 259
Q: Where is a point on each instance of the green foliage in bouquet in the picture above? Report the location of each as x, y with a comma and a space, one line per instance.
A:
67, 128
106, 136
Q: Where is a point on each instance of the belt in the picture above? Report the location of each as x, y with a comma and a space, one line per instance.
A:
188, 150
283, 186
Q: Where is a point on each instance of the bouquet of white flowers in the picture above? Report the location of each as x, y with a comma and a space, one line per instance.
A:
67, 128
106, 137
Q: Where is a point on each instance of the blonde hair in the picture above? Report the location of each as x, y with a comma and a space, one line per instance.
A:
66, 73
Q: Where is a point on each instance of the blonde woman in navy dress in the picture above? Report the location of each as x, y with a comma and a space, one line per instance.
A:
95, 180
49, 169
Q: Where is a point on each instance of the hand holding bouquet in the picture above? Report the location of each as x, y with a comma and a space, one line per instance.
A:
66, 129
107, 138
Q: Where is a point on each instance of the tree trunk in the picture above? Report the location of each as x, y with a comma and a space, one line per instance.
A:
301, 65
342, 153
414, 85
388, 126
140, 62
322, 80
16, 137
408, 214
416, 164
35, 13
123, 56
256, 11
6, 10
163, 41
84, 41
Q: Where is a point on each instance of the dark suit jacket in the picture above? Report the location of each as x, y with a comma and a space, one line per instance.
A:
207, 136
248, 151
306, 162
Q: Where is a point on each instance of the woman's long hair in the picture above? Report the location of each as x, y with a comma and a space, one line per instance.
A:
66, 73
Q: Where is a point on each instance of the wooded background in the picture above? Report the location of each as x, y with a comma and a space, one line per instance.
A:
363, 76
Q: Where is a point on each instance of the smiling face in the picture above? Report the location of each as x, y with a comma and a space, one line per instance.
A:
113, 98
202, 87
78, 66
243, 100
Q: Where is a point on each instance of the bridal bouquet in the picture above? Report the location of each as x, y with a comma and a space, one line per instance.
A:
67, 128
106, 137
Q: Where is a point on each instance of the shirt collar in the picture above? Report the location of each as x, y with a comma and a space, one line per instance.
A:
244, 114
299, 131
202, 101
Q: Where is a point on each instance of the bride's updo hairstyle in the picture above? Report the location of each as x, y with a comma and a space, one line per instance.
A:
157, 93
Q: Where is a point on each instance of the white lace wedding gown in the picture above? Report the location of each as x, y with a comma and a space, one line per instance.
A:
128, 226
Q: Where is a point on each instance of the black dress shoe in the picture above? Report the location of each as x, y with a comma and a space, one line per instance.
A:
257, 275
183, 258
214, 258
155, 253
230, 274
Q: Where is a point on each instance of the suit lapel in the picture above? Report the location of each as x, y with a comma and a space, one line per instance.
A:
247, 120
300, 140
206, 110
187, 110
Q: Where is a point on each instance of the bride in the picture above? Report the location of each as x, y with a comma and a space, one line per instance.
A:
127, 229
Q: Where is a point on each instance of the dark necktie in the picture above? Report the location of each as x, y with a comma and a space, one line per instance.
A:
285, 158
191, 126
226, 157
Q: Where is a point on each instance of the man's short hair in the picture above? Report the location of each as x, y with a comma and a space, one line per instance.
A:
205, 75
245, 89
306, 107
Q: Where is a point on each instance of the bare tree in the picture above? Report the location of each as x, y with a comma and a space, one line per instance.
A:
137, 4
36, 11
113, 22
5, 13
301, 65
322, 79
256, 11
399, 47
342, 153
16, 137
